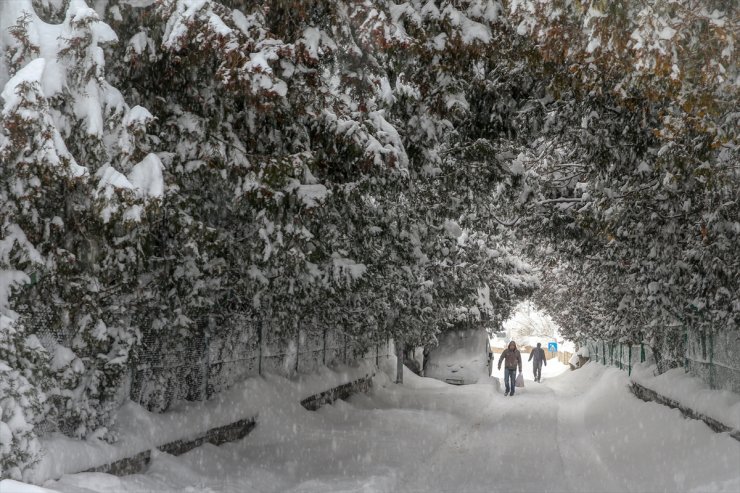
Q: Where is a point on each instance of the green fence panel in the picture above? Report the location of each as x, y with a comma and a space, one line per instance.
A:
686, 349
711, 361
603, 351
611, 354
596, 350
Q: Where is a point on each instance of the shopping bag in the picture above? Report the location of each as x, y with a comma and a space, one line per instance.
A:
520, 380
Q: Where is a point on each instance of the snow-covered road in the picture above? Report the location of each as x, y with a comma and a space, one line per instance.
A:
580, 431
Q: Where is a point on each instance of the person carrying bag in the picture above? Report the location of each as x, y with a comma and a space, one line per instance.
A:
512, 359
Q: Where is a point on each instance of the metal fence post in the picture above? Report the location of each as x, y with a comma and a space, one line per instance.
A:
323, 357
603, 351
596, 350
259, 344
297, 346
711, 361
206, 359
345, 348
629, 368
685, 349
611, 354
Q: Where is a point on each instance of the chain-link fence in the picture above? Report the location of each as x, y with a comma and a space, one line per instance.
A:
230, 349
709, 356
223, 350
713, 358
622, 355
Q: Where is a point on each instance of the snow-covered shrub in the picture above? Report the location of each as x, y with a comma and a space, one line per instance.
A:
377, 167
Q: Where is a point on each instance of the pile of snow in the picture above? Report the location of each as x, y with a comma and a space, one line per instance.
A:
461, 357
141, 430
574, 361
586, 429
11, 486
691, 392
625, 444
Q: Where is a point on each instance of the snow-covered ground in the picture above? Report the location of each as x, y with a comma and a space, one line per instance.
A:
141, 430
691, 392
553, 368
578, 431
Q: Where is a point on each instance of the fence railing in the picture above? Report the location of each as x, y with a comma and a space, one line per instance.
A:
708, 356
223, 350
622, 355
226, 352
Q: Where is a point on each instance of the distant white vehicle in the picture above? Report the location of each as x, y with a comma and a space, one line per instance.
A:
461, 358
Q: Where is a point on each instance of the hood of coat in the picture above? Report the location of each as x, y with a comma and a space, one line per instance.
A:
512, 345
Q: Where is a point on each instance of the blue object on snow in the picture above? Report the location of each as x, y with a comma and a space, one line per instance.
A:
552, 347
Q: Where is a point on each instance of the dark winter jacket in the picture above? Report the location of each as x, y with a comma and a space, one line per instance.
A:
539, 356
512, 358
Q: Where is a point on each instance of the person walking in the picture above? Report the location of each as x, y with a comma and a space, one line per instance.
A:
538, 354
512, 359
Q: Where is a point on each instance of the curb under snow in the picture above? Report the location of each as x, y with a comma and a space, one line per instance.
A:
719, 409
228, 416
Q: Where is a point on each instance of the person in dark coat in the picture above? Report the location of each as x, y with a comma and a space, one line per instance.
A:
511, 358
538, 355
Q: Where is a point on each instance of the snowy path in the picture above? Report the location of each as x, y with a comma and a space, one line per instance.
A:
581, 431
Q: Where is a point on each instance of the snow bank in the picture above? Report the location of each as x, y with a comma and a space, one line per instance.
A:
624, 444
141, 430
410, 379
581, 431
574, 361
10, 486
691, 392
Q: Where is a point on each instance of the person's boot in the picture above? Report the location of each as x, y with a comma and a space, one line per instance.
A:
506, 393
